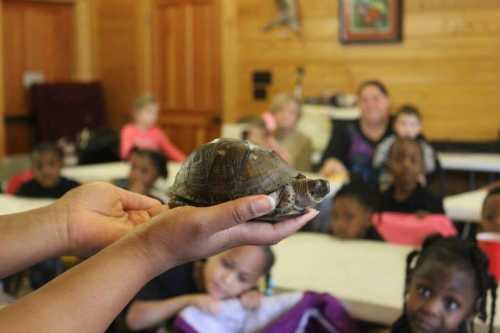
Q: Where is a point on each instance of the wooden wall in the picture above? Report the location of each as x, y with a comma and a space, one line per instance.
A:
123, 53
447, 64
2, 104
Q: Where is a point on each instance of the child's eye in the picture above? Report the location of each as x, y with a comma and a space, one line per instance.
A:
243, 279
451, 304
226, 263
424, 292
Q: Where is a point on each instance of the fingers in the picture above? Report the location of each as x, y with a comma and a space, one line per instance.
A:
261, 233
156, 210
235, 212
134, 201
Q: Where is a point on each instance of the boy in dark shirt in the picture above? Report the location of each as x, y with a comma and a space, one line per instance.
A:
47, 182
354, 205
407, 195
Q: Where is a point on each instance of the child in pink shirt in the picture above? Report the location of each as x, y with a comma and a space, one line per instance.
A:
143, 132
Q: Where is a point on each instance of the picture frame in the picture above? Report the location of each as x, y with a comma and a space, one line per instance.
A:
370, 21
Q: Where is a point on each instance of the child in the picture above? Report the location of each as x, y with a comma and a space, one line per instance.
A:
490, 214
407, 195
47, 182
446, 288
354, 205
143, 132
407, 125
146, 167
286, 112
233, 273
259, 132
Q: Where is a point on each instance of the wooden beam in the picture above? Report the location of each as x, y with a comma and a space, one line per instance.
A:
144, 48
85, 45
2, 98
230, 60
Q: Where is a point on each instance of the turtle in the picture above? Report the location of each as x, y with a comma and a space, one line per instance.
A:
227, 169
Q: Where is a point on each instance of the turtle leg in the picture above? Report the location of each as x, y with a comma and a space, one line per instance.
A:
286, 200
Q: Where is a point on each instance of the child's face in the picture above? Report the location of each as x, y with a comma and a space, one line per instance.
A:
143, 173
407, 126
350, 219
257, 135
405, 165
374, 104
147, 115
439, 298
490, 216
286, 117
233, 272
46, 168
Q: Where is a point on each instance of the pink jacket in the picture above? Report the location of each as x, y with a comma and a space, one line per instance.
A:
153, 138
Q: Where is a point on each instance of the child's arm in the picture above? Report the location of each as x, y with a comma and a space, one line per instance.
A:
145, 314
168, 148
251, 300
88, 297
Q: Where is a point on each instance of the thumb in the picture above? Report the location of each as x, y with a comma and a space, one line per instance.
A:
235, 212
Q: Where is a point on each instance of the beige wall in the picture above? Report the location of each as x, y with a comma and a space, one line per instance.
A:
448, 63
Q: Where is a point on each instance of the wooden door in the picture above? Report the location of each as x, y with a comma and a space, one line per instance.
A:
187, 76
37, 38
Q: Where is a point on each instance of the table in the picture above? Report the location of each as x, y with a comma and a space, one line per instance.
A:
109, 171
367, 276
471, 162
10, 204
465, 206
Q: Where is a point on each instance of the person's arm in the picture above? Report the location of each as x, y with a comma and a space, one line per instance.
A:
88, 297
145, 314
338, 145
126, 141
171, 151
84, 220
335, 155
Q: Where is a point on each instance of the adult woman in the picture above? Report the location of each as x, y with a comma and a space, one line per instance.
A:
353, 143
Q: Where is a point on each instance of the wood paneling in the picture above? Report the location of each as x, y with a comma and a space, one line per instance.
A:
187, 69
170, 48
2, 100
123, 39
447, 64
37, 37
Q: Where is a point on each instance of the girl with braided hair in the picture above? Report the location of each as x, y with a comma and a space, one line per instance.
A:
447, 283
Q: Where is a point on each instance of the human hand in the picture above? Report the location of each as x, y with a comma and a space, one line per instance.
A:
251, 299
138, 187
331, 167
186, 234
95, 215
205, 303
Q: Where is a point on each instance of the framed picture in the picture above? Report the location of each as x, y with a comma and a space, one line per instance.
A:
370, 21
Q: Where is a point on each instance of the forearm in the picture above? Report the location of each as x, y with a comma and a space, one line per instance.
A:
145, 314
18, 252
86, 298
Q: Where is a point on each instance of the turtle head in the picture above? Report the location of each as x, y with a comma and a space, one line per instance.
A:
309, 192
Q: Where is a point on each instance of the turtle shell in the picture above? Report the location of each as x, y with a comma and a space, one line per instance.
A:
226, 169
